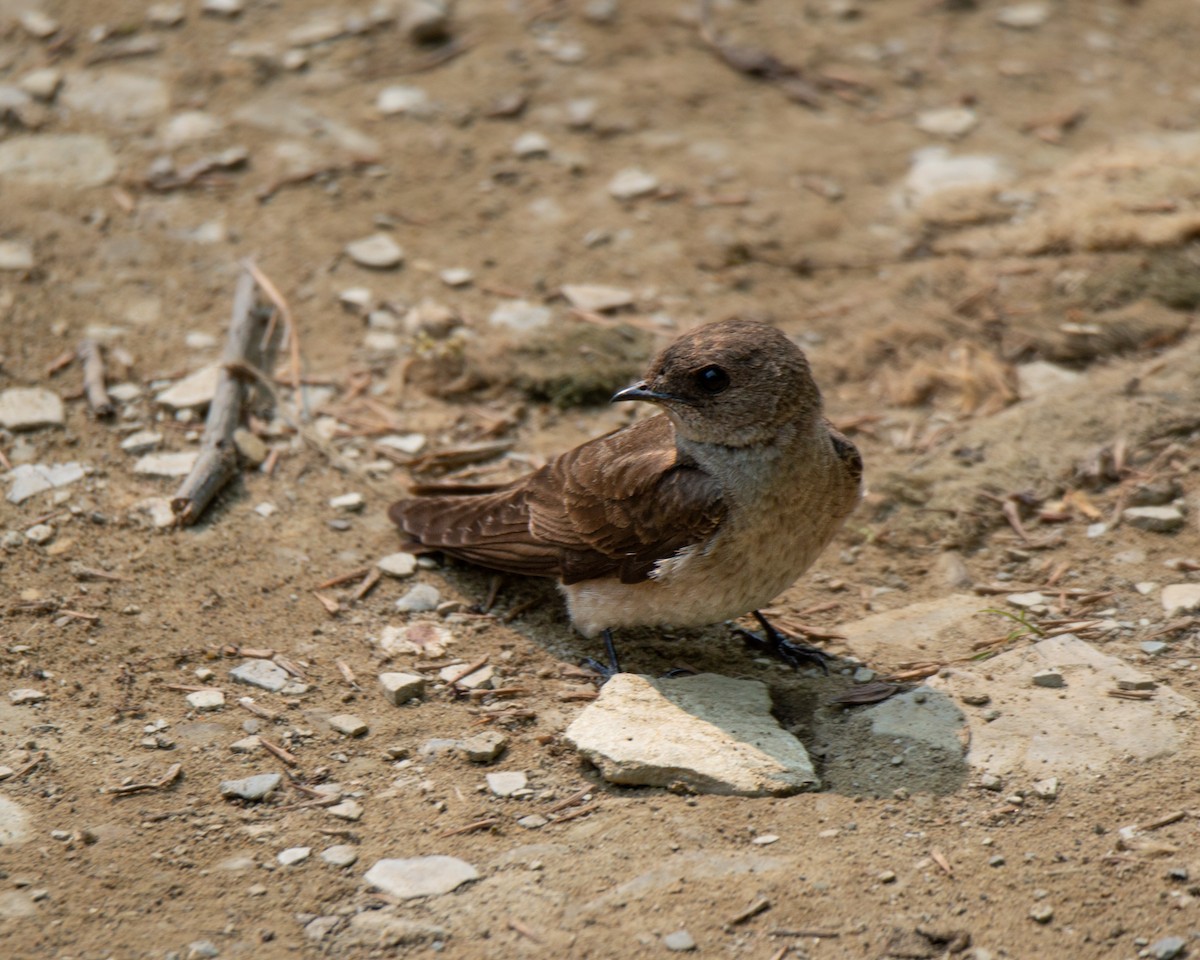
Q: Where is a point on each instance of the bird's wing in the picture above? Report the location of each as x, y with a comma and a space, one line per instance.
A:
614, 506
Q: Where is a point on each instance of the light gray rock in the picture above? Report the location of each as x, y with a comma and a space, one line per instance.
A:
293, 855
714, 734
378, 251
194, 391
40, 533
935, 170
350, 810
205, 700
166, 465
258, 787
398, 565
348, 725
65, 160
484, 747
476, 680
424, 638
27, 408
1077, 728
1023, 16
420, 876
1040, 376
399, 688
115, 95
922, 714
505, 783
265, 674
596, 298
314, 132
157, 510
348, 502
26, 695
951, 122
29, 479
16, 255
1168, 948
410, 443
1180, 598
384, 929
531, 144
420, 599
340, 855
679, 941
399, 99
144, 441
14, 823
1154, 519
632, 182
520, 315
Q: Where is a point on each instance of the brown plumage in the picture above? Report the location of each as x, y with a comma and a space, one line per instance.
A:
701, 514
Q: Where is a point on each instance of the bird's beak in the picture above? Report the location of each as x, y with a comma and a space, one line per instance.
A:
639, 391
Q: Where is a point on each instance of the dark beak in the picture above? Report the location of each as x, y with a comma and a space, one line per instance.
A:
639, 391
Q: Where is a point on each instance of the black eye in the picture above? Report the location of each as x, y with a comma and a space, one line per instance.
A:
712, 380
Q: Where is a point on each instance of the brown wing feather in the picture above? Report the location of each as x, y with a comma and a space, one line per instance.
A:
614, 506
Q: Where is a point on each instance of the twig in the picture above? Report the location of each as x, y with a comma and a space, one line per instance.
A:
332, 607
466, 671
1165, 821
29, 767
367, 585
285, 312
165, 780
576, 814
93, 378
571, 800
247, 704
757, 907
217, 462
523, 930
472, 827
343, 578
274, 748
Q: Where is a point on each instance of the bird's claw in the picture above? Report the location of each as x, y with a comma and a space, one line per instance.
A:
790, 651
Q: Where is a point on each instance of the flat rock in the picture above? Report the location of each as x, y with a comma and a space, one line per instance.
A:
426, 639
348, 502
340, 855
144, 441
520, 315
157, 510
504, 783
383, 928
952, 122
265, 674
934, 170
206, 700
194, 391
68, 160
350, 810
475, 680
14, 823
258, 787
115, 95
1154, 519
714, 734
632, 182
399, 688
944, 628
1040, 377
420, 876
1181, 598
679, 941
293, 855
16, 255
1078, 727
27, 408
484, 747
168, 465
26, 695
348, 725
378, 251
29, 479
596, 298
400, 99
420, 599
922, 714
397, 564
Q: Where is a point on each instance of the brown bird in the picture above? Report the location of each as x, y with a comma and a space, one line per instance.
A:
701, 514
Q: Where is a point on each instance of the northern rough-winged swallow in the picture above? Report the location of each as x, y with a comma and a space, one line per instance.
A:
701, 514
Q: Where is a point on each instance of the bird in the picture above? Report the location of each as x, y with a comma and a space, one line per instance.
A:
702, 513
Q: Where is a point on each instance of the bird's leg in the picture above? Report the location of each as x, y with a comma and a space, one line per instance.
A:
787, 649
614, 665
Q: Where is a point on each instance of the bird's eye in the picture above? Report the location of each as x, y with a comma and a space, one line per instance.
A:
712, 380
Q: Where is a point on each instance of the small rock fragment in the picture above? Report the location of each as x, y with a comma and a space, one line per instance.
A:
23, 696
1046, 789
1042, 913
204, 700
1026, 600
28, 408
420, 599
595, 297
340, 855
144, 441
1154, 519
293, 855
631, 183
349, 502
952, 122
476, 680
166, 465
1153, 647
1168, 948
248, 744
533, 821
348, 725
506, 783
258, 787
15, 254
1049, 678
30, 479
38, 25
531, 144
378, 251
420, 876
484, 747
426, 21
251, 447
679, 941
1180, 598
347, 810
401, 99
399, 688
423, 638
520, 315
40, 533
397, 564
456, 276
193, 391
1023, 16
265, 674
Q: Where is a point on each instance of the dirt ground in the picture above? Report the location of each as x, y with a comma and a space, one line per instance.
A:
783, 190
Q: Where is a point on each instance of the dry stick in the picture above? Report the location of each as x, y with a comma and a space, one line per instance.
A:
217, 462
285, 312
93, 378
367, 585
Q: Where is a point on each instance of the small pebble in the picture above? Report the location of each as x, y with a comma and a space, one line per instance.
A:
346, 810
378, 251
349, 502
679, 941
401, 99
456, 277
399, 688
348, 725
531, 144
1168, 948
293, 855
24, 696
484, 747
1049, 678
40, 533
206, 700
631, 183
887, 876
420, 599
340, 855
1153, 647
533, 821
397, 565
1046, 789
258, 787
1042, 913
144, 441
506, 783
1154, 519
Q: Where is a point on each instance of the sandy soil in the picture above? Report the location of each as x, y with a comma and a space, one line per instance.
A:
915, 312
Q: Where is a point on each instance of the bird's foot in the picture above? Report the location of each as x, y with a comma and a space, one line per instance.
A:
604, 671
785, 648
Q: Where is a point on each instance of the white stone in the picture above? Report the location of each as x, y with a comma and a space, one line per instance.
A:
293, 855
224, 8
410, 443
456, 276
397, 564
190, 126
596, 298
166, 465
340, 855
158, 509
1026, 600
399, 688
14, 823
520, 315
476, 680
934, 170
378, 251
206, 700
381, 341
124, 392
193, 391
358, 297
266, 509
714, 734
348, 502
1023, 16
167, 14
16, 255
258, 787
531, 144
350, 810
115, 95
426, 639
40, 533
68, 160
632, 182
1180, 598
505, 783
420, 876
261, 673
38, 25
27, 408
42, 84
403, 99
144, 441
29, 479
348, 725
952, 122
1041, 376
421, 598
25, 695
